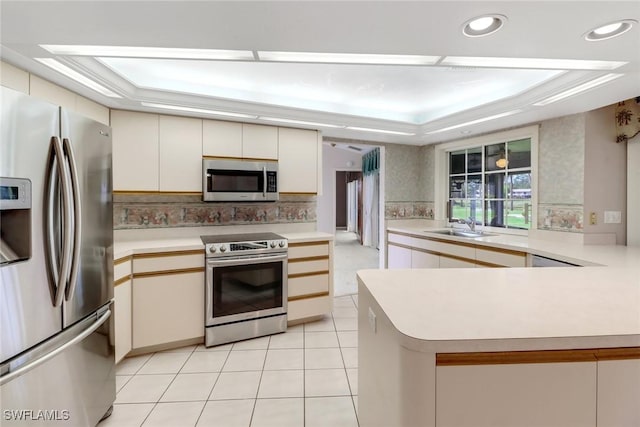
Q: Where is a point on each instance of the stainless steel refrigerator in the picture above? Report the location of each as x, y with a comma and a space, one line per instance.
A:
56, 270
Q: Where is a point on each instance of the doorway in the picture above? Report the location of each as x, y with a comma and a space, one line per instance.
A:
349, 202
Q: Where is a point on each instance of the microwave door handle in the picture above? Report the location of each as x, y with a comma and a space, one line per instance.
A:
264, 182
77, 218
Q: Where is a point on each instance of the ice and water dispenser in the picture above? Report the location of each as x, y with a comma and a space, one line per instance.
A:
15, 220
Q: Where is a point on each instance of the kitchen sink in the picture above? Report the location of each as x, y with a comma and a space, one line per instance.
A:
461, 233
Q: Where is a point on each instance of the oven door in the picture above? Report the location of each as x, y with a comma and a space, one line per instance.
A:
245, 287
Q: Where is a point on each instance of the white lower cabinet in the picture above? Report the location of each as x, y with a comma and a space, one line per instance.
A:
446, 262
517, 395
309, 279
421, 259
167, 308
619, 393
122, 319
398, 257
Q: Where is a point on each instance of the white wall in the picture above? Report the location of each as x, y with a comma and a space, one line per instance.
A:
633, 193
333, 159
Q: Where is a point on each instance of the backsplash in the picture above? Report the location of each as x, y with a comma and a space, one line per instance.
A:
569, 218
408, 210
133, 211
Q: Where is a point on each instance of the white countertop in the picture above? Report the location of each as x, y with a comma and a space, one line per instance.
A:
126, 248
514, 309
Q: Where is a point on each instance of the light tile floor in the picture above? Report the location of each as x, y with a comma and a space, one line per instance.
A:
307, 377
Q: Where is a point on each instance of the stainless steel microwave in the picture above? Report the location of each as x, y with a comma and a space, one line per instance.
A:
239, 180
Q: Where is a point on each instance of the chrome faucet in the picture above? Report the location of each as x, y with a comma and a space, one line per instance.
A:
470, 222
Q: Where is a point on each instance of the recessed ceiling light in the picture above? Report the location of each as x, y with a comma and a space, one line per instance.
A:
483, 25
299, 122
610, 30
529, 63
80, 78
148, 52
473, 122
348, 58
198, 110
392, 132
580, 88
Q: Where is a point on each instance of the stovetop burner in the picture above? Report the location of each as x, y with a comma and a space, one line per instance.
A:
251, 243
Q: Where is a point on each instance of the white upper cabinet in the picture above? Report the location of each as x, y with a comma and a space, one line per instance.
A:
297, 161
259, 142
180, 147
135, 151
221, 139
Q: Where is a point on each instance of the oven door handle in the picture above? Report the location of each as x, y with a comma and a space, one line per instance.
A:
250, 259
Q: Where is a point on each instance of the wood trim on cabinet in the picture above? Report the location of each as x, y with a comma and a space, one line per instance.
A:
456, 257
122, 260
168, 272
300, 244
308, 296
157, 193
311, 273
169, 254
299, 193
310, 258
122, 280
251, 159
542, 356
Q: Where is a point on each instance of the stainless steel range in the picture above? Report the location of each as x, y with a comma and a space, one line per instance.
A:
245, 286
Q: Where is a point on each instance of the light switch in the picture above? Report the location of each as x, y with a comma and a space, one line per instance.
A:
372, 320
612, 217
593, 218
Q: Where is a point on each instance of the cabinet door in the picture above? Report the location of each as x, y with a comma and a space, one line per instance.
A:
259, 142
167, 308
421, 259
519, 395
446, 262
398, 257
221, 139
122, 319
180, 154
618, 393
135, 151
297, 161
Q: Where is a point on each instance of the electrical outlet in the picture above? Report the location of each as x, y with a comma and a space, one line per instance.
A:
372, 320
593, 218
612, 217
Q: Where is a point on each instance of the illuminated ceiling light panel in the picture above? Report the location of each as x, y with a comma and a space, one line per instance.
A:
347, 58
198, 110
391, 132
531, 63
610, 30
148, 52
473, 122
80, 78
299, 122
580, 88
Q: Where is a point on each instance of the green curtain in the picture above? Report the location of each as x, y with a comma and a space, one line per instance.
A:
371, 162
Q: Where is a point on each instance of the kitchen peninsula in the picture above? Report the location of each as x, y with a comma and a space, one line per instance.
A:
512, 346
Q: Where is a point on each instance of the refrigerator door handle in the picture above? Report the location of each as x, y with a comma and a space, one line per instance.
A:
58, 273
48, 356
77, 218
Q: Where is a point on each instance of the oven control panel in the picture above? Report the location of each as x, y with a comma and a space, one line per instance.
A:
238, 248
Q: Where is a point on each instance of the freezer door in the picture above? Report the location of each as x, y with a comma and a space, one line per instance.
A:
27, 312
68, 380
87, 147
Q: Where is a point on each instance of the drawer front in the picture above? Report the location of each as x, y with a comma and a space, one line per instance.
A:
506, 258
309, 307
401, 239
464, 251
121, 269
167, 261
310, 266
308, 250
305, 285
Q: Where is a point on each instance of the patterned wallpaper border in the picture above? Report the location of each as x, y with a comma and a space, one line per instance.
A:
408, 210
167, 211
567, 218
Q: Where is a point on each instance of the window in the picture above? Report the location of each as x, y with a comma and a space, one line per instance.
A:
491, 184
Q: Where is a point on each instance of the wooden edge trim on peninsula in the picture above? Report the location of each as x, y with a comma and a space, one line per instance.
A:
168, 272
123, 279
543, 356
308, 296
123, 260
169, 254
455, 242
310, 258
311, 273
